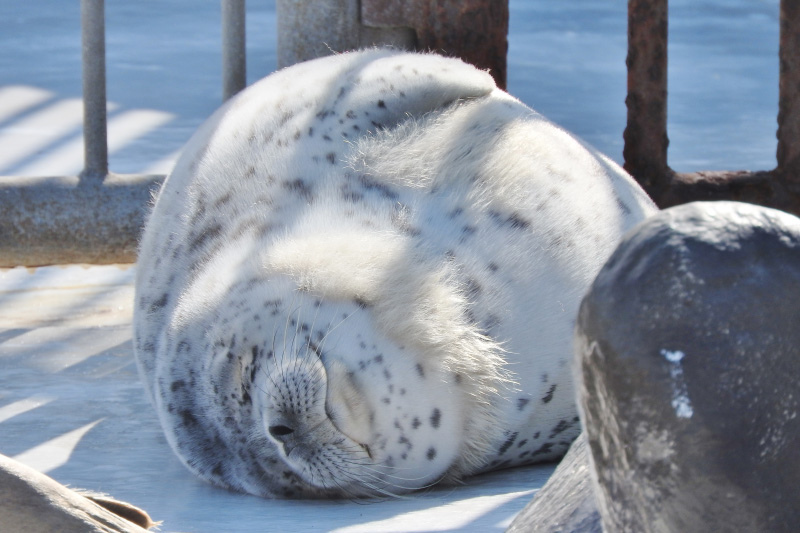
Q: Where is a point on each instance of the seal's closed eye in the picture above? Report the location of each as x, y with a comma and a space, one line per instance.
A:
345, 404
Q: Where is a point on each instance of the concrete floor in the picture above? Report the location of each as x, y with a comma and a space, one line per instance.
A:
71, 406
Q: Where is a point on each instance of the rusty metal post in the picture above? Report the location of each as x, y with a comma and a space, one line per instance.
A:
789, 96
645, 134
646, 138
474, 30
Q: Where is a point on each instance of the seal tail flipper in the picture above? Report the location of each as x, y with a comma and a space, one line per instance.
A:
124, 510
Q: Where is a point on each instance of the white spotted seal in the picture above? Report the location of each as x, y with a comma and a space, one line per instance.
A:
362, 275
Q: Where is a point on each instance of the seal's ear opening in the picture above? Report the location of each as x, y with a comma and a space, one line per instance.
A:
122, 509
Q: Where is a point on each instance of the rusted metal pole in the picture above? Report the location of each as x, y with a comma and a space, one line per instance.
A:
645, 135
646, 140
234, 57
789, 96
93, 38
474, 30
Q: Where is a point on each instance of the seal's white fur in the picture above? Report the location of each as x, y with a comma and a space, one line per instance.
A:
450, 229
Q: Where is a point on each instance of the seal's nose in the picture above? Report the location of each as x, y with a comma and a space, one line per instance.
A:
284, 435
280, 433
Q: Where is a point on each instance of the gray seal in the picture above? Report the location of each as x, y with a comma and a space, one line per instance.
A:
688, 360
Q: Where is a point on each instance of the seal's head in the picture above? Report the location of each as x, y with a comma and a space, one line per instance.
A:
342, 406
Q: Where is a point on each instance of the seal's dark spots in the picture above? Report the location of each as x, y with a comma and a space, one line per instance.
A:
188, 419
549, 396
518, 222
562, 426
507, 444
431, 454
545, 448
209, 233
299, 187
436, 418
160, 303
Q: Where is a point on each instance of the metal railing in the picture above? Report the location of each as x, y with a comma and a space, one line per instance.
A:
646, 138
97, 216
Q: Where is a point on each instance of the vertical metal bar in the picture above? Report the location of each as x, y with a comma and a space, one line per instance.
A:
234, 70
645, 135
789, 94
94, 89
474, 30
308, 29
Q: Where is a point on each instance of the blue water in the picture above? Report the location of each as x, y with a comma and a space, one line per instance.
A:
566, 59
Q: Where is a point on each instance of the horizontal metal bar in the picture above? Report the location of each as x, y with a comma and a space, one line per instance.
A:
736, 185
59, 220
